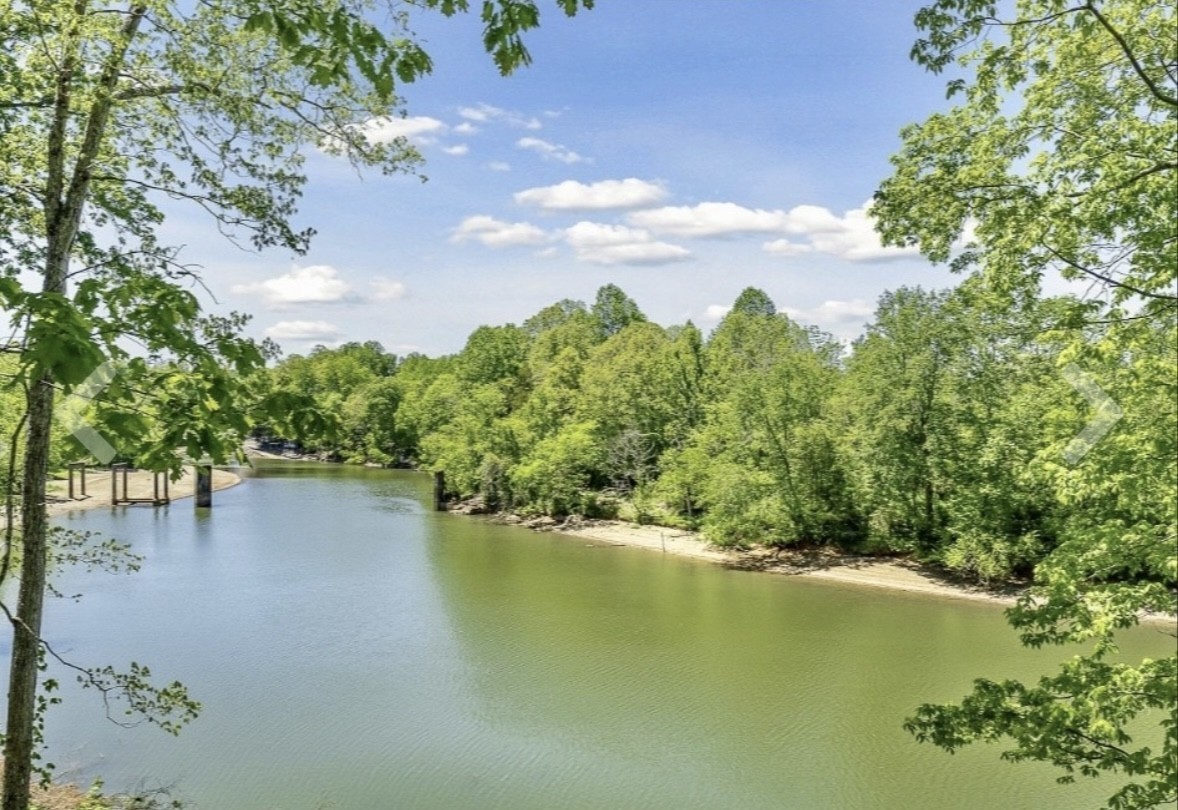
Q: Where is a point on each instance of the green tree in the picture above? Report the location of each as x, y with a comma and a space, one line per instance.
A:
339, 383
896, 388
1060, 157
559, 471
625, 389
752, 301
615, 310
771, 476
106, 109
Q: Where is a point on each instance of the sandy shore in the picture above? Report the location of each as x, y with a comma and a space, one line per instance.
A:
139, 485
898, 575
872, 572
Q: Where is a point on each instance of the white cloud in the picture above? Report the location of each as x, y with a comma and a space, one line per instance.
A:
497, 233
482, 113
499, 166
811, 219
715, 312
485, 113
466, 128
419, 130
550, 151
304, 330
833, 313
386, 290
573, 196
388, 128
710, 219
617, 244
457, 149
851, 236
784, 247
317, 284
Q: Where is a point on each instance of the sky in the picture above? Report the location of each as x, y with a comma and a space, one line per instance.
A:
680, 149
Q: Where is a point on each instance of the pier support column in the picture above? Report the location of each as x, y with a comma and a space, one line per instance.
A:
204, 485
439, 491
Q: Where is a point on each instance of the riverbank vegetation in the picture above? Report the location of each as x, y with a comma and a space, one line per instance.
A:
942, 433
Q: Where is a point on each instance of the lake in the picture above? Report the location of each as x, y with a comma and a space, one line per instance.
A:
354, 649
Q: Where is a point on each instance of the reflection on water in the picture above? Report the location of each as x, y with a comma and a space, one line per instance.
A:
355, 650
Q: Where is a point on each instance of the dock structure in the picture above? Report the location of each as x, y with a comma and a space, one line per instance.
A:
77, 493
439, 491
159, 487
204, 484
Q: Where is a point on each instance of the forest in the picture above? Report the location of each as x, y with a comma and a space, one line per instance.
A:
945, 432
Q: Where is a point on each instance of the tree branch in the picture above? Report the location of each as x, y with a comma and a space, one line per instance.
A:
1107, 279
1153, 88
1141, 175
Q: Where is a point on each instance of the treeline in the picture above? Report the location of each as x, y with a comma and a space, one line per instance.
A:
948, 430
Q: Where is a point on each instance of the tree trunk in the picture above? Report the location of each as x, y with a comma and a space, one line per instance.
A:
20, 737
65, 198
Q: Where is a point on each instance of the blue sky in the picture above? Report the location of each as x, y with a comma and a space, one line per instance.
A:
681, 149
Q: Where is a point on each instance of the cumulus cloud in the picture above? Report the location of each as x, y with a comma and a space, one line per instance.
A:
833, 313
466, 128
499, 166
318, 331
385, 290
486, 113
784, 247
457, 149
550, 151
316, 284
573, 196
497, 233
710, 219
617, 244
851, 236
715, 312
416, 128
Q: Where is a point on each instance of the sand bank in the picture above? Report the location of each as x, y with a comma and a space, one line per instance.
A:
894, 574
139, 485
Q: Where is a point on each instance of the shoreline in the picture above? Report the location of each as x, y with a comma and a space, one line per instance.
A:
848, 569
851, 570
856, 570
139, 485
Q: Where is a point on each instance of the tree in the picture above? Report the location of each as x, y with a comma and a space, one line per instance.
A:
772, 480
1060, 157
896, 389
615, 310
625, 392
752, 301
105, 110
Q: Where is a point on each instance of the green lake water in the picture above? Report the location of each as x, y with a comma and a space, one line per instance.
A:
354, 650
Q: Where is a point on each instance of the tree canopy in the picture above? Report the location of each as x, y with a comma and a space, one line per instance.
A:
1059, 157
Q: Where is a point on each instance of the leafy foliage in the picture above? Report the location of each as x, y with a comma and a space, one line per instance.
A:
1059, 157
